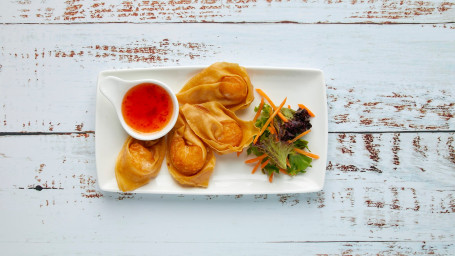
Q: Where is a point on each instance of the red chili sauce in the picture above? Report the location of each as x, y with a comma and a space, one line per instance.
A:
147, 108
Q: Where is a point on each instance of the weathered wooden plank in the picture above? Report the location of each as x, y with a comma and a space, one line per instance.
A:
379, 78
302, 11
393, 187
245, 248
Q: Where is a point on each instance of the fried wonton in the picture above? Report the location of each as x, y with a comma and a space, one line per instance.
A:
226, 83
189, 160
219, 127
138, 162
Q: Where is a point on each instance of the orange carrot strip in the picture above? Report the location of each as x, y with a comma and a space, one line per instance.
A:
273, 127
252, 160
259, 111
238, 153
269, 120
271, 177
273, 131
287, 163
289, 106
265, 163
256, 167
306, 153
283, 171
307, 109
300, 136
262, 93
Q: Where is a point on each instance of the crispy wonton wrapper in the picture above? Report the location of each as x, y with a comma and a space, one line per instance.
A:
138, 162
226, 83
219, 127
188, 159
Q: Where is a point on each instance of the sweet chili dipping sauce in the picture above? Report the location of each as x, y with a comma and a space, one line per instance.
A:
147, 108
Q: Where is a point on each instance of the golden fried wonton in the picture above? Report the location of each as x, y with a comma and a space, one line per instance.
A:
219, 127
138, 162
189, 160
226, 83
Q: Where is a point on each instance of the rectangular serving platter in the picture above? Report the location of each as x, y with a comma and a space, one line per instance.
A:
231, 175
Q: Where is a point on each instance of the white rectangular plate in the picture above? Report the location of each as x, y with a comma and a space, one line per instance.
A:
231, 175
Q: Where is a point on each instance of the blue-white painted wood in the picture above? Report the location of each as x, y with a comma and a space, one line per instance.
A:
391, 163
379, 187
379, 78
301, 11
241, 249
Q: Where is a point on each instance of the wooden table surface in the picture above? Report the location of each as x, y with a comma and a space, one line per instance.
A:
390, 76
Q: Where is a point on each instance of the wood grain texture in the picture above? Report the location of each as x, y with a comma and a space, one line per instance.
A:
241, 249
379, 78
299, 11
391, 162
394, 188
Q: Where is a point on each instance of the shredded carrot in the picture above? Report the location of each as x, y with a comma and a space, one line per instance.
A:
283, 171
287, 163
273, 127
262, 93
240, 152
256, 167
273, 131
300, 136
259, 111
269, 120
271, 177
306, 153
289, 106
307, 109
252, 160
265, 163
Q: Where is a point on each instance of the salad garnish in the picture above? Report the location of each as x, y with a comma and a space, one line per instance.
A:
279, 146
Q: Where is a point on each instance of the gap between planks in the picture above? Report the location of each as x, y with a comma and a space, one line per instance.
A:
234, 22
334, 132
266, 242
249, 242
43, 133
343, 241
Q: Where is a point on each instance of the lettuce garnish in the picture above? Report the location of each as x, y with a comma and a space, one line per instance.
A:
277, 141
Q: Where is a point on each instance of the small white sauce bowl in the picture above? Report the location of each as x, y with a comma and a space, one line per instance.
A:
114, 89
